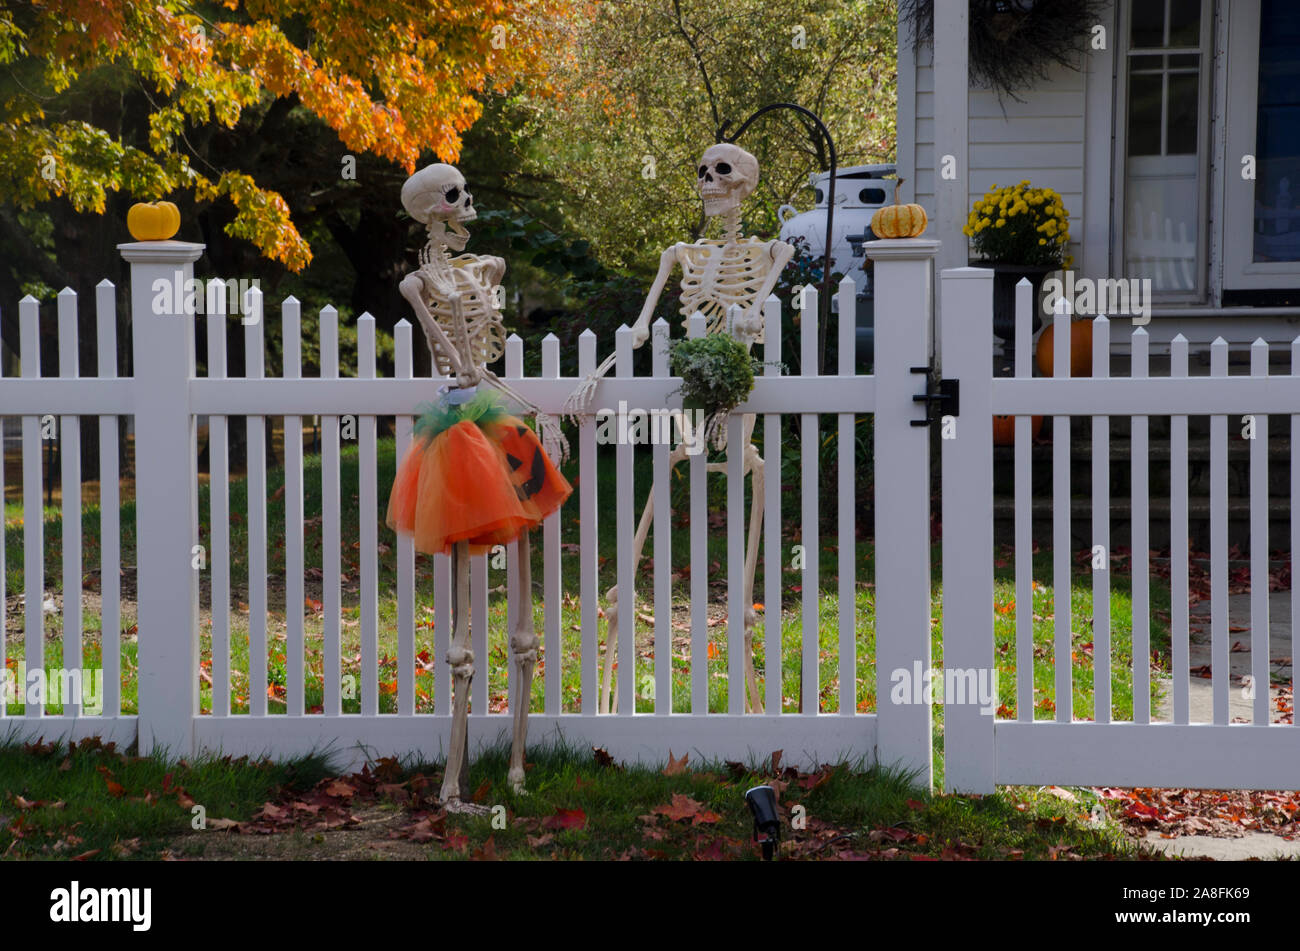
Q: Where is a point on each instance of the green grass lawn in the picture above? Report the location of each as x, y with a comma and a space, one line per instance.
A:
96, 803
828, 606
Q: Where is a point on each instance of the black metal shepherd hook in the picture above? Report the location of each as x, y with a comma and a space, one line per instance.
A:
824, 305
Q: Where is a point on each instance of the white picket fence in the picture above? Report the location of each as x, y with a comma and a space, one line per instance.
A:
1088, 747
166, 398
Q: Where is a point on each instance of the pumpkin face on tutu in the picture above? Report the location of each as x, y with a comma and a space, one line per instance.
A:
476, 474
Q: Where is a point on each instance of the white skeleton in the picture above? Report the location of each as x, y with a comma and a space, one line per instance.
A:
454, 301
717, 275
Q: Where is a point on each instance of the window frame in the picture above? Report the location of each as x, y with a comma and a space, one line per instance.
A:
1120, 194
1241, 272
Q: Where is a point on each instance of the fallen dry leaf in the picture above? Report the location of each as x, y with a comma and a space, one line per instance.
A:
684, 807
340, 789
675, 767
566, 819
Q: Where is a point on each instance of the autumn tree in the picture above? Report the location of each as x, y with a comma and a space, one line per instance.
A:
393, 79
223, 108
644, 84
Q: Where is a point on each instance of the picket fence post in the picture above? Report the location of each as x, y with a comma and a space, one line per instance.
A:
166, 579
904, 298
966, 342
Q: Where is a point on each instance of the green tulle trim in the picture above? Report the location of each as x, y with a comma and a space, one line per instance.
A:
486, 406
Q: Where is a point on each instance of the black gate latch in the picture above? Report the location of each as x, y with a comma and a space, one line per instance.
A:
942, 398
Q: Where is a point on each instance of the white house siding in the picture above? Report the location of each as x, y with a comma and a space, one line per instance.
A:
1041, 139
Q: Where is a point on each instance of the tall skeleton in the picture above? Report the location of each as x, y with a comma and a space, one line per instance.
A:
717, 275
454, 301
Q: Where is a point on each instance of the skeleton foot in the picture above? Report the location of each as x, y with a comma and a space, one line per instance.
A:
461, 807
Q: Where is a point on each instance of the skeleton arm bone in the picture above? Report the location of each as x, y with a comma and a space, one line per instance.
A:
578, 401
470, 372
553, 439
752, 325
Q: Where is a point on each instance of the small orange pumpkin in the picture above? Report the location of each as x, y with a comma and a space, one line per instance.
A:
898, 220
1080, 349
1004, 429
153, 220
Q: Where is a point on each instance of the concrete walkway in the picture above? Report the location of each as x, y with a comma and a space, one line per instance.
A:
1201, 691
1253, 845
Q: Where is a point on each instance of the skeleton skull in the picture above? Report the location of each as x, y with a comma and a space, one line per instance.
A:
437, 193
726, 176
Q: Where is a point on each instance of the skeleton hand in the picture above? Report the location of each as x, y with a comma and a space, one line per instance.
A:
553, 438
578, 402
748, 327
576, 406
548, 427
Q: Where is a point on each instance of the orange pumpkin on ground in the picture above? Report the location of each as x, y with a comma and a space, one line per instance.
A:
153, 220
1080, 349
898, 220
1004, 429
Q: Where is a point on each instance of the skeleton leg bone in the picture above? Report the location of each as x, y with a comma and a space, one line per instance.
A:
523, 645
608, 683
754, 465
461, 661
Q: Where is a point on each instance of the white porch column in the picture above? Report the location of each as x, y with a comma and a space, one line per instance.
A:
951, 133
166, 584
902, 475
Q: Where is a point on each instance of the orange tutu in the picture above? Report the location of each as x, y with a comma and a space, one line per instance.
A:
482, 484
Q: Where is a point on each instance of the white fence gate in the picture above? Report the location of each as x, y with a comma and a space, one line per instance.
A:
166, 398
1087, 747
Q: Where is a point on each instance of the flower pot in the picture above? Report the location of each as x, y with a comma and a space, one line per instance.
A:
1005, 279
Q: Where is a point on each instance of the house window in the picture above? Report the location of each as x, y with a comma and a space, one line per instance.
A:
1164, 144
1261, 176
1277, 134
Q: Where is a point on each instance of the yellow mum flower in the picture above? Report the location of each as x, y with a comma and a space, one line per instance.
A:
1000, 222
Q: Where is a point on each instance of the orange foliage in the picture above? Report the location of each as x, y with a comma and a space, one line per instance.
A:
395, 78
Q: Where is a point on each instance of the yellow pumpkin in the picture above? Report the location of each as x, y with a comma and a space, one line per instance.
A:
1004, 429
1080, 349
898, 220
153, 220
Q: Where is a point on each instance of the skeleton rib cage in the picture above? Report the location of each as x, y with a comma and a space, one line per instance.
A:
717, 275
485, 337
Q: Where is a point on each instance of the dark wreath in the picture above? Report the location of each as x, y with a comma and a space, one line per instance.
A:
1013, 42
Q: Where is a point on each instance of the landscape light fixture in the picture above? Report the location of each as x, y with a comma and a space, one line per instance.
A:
762, 803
